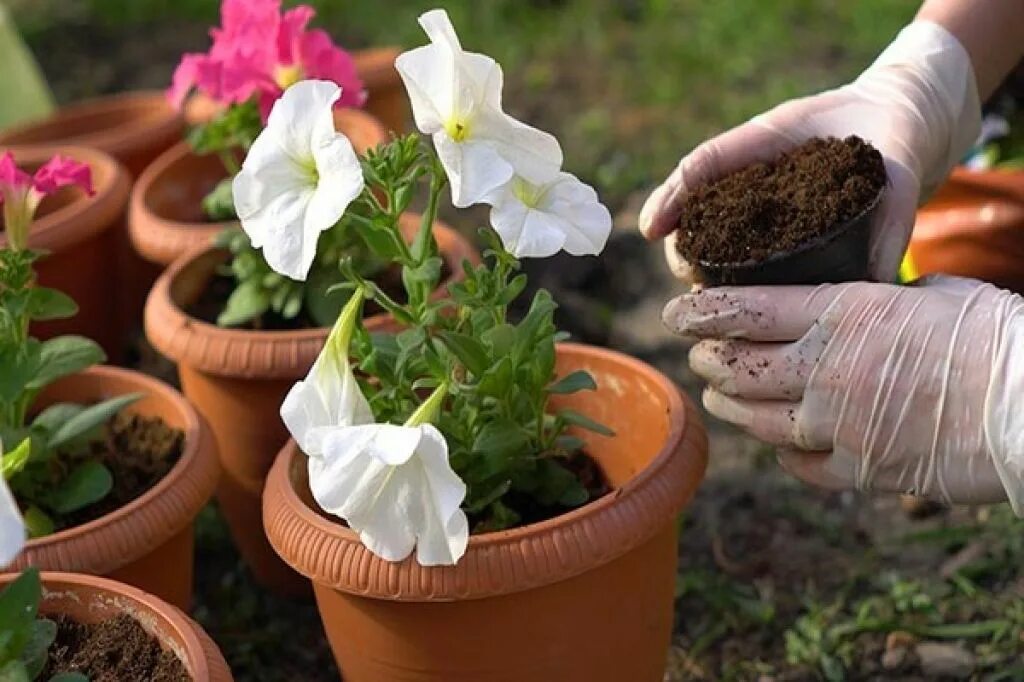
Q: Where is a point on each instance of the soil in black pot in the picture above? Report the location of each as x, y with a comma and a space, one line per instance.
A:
138, 451
770, 208
114, 650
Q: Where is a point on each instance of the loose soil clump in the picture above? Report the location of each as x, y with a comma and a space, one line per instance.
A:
138, 451
776, 207
114, 650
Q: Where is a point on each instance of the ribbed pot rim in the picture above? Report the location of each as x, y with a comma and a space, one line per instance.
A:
510, 561
85, 216
154, 119
201, 657
137, 528
245, 353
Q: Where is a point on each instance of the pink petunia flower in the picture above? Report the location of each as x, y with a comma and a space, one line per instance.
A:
20, 193
258, 51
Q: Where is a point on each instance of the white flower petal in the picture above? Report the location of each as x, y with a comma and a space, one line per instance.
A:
12, 527
534, 154
588, 223
525, 232
300, 113
438, 27
444, 532
426, 72
474, 169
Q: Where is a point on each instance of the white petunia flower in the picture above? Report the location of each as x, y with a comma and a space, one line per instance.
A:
395, 487
329, 396
12, 526
456, 98
536, 221
297, 179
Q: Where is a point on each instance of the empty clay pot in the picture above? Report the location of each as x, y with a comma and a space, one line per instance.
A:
385, 94
79, 233
166, 218
238, 378
584, 597
88, 599
973, 227
839, 255
148, 542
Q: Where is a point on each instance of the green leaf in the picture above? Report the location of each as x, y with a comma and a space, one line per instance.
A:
468, 350
497, 380
219, 205
49, 304
584, 422
87, 419
15, 460
14, 671
579, 380
18, 605
497, 443
18, 365
38, 523
500, 339
247, 302
574, 495
65, 355
512, 290
87, 483
50, 419
35, 655
69, 677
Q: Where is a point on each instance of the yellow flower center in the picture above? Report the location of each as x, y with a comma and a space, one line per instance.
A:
457, 129
531, 195
287, 75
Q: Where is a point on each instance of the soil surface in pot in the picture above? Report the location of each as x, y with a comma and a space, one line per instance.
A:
138, 451
114, 650
770, 208
215, 295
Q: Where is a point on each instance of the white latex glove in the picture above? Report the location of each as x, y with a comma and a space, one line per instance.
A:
871, 386
917, 104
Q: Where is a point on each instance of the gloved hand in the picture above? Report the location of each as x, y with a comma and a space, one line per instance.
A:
917, 104
871, 386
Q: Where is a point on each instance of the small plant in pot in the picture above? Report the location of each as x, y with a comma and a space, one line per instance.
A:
71, 462
447, 458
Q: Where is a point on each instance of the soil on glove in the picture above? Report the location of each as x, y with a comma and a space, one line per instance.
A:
770, 208
138, 451
114, 650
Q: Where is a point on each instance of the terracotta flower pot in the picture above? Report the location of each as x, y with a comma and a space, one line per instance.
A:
88, 599
134, 128
973, 227
166, 218
376, 66
586, 596
79, 232
384, 89
148, 542
237, 378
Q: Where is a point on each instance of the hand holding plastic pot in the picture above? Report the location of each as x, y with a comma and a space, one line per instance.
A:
917, 104
871, 386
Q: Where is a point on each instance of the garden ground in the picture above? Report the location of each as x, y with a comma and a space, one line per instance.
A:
777, 581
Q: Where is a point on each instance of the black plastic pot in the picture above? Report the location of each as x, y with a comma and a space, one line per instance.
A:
839, 255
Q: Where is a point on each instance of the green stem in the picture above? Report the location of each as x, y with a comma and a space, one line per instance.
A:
230, 164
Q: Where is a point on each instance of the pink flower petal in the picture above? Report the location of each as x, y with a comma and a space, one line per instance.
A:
61, 171
290, 34
12, 178
323, 60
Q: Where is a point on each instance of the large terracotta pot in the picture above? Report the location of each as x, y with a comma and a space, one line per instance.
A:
88, 599
148, 542
385, 95
238, 378
973, 227
134, 128
384, 89
166, 218
79, 232
584, 597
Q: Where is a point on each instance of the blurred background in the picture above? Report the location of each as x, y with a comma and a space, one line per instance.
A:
777, 582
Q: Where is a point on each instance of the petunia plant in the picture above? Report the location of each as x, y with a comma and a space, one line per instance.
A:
256, 54
418, 438
48, 465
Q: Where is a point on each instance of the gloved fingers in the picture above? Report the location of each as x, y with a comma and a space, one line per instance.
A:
950, 284
680, 268
729, 152
820, 469
890, 232
754, 371
757, 313
773, 421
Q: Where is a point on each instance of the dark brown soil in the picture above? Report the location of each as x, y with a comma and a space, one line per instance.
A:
115, 650
139, 451
775, 207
